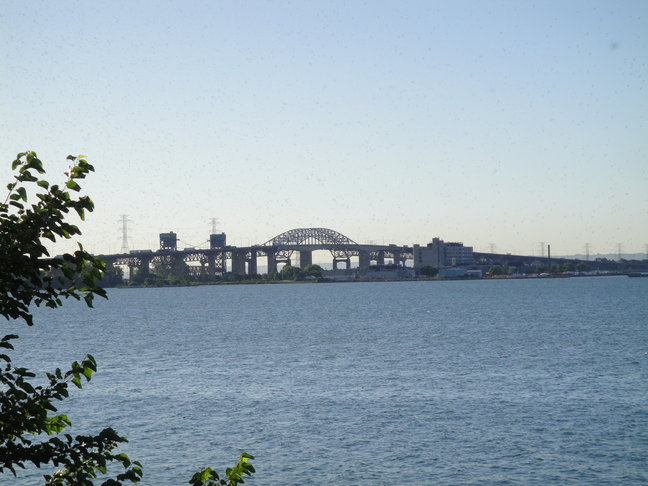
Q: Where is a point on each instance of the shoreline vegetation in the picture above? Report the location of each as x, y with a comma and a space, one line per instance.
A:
184, 276
161, 275
175, 282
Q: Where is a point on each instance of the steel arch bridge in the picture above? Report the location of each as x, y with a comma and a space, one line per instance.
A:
310, 236
280, 249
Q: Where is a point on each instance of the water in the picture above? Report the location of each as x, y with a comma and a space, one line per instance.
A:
430, 383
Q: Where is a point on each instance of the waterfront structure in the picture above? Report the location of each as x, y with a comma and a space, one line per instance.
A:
298, 245
169, 241
282, 249
439, 254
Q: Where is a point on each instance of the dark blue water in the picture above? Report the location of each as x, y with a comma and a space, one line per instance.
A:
449, 383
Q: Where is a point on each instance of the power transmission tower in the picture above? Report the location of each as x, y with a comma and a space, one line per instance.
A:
492, 247
619, 250
542, 249
587, 252
214, 225
124, 229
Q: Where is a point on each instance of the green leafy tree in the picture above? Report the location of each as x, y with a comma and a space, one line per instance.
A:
567, 267
312, 271
288, 272
429, 271
496, 270
31, 430
234, 475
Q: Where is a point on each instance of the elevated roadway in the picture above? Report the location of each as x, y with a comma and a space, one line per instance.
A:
281, 249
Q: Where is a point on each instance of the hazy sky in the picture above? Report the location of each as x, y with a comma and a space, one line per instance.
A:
504, 122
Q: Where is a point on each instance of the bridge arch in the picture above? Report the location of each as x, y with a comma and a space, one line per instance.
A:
310, 236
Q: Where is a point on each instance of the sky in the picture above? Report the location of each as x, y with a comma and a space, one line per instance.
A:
500, 124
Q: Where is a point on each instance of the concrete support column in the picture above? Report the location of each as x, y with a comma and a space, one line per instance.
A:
211, 265
397, 257
132, 269
272, 262
178, 266
364, 259
144, 265
305, 258
252, 263
223, 262
238, 263
380, 260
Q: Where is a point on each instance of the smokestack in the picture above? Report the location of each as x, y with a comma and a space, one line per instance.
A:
549, 254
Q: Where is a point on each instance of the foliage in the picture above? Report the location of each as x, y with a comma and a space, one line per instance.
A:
429, 271
313, 271
497, 270
112, 277
26, 276
567, 267
209, 477
30, 429
289, 272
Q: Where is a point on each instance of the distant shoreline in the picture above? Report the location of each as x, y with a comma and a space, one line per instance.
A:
334, 281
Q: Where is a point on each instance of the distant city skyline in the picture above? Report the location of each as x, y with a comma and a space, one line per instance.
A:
489, 123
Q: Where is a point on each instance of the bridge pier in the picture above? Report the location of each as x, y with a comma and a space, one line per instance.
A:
142, 267
178, 266
397, 258
380, 258
216, 263
252, 263
272, 261
221, 262
145, 264
238, 262
211, 265
305, 258
364, 259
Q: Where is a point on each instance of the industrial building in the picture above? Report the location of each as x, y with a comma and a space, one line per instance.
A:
439, 254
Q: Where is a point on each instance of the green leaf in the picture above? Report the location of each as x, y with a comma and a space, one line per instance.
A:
73, 185
87, 372
88, 299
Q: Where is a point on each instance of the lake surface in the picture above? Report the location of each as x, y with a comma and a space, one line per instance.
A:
508, 382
